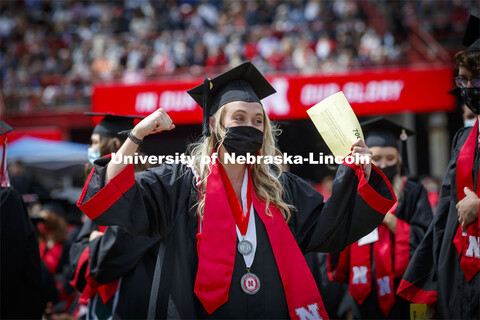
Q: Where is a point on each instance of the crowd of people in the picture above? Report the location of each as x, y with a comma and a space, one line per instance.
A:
200, 239
52, 51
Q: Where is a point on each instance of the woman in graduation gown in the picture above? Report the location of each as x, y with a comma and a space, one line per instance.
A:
444, 272
112, 268
227, 258
374, 265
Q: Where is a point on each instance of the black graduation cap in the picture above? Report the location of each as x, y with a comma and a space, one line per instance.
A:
475, 46
381, 132
112, 124
62, 207
242, 83
4, 128
472, 34
58, 206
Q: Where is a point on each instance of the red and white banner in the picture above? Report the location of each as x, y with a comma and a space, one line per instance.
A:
370, 92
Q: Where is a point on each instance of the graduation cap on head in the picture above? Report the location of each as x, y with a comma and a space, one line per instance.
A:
242, 83
58, 206
381, 132
112, 124
472, 34
4, 128
64, 208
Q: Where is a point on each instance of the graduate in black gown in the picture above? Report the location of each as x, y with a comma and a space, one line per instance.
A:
444, 272
374, 265
21, 292
112, 268
226, 257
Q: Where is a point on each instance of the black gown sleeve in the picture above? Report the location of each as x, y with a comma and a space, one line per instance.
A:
79, 246
110, 256
419, 283
354, 209
414, 215
116, 253
145, 203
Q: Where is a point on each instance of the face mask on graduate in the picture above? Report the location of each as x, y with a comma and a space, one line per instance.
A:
93, 154
390, 172
242, 140
472, 98
469, 122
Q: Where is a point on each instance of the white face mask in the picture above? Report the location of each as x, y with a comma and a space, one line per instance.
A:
469, 122
93, 154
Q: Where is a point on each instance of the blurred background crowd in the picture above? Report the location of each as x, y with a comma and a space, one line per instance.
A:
52, 51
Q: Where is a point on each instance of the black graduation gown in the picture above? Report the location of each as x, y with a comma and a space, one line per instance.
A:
161, 202
119, 254
414, 209
434, 271
332, 292
21, 277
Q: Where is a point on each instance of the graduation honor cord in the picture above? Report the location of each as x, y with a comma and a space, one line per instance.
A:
250, 283
244, 247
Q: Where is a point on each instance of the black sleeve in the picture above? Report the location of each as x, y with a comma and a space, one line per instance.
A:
421, 218
419, 283
345, 217
144, 204
117, 252
79, 246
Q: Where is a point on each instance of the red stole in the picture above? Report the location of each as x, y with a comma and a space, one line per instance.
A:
360, 285
467, 243
217, 249
51, 256
92, 287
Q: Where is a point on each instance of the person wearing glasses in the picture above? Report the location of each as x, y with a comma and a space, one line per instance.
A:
462, 80
444, 270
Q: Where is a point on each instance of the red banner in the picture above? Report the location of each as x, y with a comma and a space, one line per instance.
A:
51, 133
369, 92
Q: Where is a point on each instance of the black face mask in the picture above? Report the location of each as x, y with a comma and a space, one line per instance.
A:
390, 172
472, 98
242, 140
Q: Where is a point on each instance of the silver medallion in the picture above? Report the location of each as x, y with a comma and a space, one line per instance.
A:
245, 247
250, 283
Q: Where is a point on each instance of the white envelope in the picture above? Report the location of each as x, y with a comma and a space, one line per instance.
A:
369, 238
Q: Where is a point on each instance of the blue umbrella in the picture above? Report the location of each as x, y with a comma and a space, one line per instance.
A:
47, 154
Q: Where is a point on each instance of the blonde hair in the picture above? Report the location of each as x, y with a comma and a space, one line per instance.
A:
265, 177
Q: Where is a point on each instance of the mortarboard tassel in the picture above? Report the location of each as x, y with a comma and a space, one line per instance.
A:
206, 108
